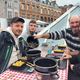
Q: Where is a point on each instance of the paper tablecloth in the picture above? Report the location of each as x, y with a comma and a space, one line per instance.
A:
14, 75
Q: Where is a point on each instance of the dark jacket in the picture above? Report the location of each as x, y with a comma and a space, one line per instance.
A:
6, 47
23, 47
76, 69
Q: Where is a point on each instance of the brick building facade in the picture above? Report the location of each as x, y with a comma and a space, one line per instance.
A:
33, 9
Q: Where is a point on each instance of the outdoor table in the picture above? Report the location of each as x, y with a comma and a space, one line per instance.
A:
16, 75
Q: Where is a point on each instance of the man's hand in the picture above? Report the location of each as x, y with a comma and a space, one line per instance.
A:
46, 36
75, 52
66, 54
37, 36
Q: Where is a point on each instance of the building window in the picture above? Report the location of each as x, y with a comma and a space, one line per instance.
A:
33, 8
37, 17
22, 6
41, 18
43, 1
45, 19
9, 14
38, 0
48, 19
37, 9
51, 19
33, 17
43, 11
9, 4
16, 13
28, 16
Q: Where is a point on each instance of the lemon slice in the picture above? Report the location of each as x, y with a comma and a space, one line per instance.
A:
18, 63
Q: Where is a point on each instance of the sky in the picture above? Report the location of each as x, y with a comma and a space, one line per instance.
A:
67, 2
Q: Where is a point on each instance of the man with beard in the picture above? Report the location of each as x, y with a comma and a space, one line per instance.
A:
72, 38
9, 43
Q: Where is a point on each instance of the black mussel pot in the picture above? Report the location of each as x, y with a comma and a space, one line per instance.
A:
32, 43
46, 65
32, 55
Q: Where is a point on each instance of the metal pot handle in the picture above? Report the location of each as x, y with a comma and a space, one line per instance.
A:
54, 76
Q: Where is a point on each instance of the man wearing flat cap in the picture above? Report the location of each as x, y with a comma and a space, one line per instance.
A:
9, 43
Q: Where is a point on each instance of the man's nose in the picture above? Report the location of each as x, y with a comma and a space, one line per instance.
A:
75, 24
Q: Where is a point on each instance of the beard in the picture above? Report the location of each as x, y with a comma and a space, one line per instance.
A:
76, 32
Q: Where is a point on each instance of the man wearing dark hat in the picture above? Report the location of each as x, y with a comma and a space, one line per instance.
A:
9, 43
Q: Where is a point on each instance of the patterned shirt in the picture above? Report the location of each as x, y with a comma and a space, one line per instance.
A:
72, 40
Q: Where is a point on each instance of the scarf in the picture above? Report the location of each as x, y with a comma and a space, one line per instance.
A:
15, 38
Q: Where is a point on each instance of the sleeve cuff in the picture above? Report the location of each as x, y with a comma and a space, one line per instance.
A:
49, 36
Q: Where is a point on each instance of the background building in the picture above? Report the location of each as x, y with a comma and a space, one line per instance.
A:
44, 10
9, 8
39, 10
2, 9
12, 8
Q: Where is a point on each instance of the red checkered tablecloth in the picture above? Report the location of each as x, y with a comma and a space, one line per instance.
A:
63, 74
13, 75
